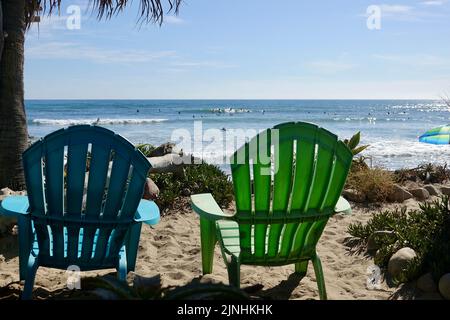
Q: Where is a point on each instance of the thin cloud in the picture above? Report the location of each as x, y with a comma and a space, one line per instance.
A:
202, 64
421, 60
173, 20
75, 51
434, 2
329, 66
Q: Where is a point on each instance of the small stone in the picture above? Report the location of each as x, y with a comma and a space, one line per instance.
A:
399, 194
420, 193
444, 286
353, 195
151, 190
374, 239
432, 190
426, 283
399, 261
445, 190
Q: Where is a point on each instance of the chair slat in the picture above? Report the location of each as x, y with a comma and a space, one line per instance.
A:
240, 168
33, 167
117, 182
326, 143
131, 202
54, 174
304, 167
262, 188
76, 173
98, 171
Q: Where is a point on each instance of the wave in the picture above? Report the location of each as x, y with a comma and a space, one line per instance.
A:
229, 110
70, 122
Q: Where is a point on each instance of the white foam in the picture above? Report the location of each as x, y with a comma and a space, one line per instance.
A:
230, 110
70, 122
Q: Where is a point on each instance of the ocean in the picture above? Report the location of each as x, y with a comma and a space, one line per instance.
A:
390, 127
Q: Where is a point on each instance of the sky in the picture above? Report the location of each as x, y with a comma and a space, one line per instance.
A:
245, 49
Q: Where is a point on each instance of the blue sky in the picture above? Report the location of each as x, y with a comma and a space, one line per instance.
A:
245, 49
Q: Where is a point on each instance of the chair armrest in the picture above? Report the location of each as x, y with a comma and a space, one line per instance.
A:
206, 207
147, 212
342, 206
14, 206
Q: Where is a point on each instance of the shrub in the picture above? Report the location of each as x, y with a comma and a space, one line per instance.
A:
374, 184
427, 173
145, 148
426, 230
198, 178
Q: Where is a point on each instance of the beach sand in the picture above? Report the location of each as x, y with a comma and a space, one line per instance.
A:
171, 250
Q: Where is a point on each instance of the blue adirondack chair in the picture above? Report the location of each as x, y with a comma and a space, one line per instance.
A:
86, 213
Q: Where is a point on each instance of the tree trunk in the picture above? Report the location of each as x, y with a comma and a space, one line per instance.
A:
13, 123
1, 30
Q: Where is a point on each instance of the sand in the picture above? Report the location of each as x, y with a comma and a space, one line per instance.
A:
171, 249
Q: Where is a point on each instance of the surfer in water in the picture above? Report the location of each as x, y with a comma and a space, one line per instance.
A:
96, 122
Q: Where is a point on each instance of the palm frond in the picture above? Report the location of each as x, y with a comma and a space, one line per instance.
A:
149, 10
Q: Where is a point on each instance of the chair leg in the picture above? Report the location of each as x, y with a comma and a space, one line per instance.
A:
301, 267
132, 243
122, 270
33, 266
208, 242
319, 277
25, 244
234, 272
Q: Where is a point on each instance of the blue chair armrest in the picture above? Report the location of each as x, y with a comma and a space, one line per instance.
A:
147, 212
14, 206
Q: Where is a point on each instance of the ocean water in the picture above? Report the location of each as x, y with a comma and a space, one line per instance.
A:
390, 127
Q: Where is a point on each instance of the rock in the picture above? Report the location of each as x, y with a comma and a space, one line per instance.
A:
151, 190
420, 193
444, 286
6, 192
432, 190
353, 195
399, 261
164, 149
399, 194
426, 283
374, 238
411, 185
445, 190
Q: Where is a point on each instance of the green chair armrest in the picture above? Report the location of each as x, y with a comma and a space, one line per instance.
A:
14, 206
206, 207
342, 206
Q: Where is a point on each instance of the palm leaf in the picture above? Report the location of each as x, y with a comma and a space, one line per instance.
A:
149, 10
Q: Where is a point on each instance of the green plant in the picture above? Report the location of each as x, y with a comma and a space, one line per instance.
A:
353, 144
374, 184
426, 230
427, 173
196, 178
145, 148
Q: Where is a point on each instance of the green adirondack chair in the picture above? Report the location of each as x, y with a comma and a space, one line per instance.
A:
283, 201
90, 219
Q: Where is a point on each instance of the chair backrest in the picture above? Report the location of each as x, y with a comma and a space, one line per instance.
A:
287, 181
84, 185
